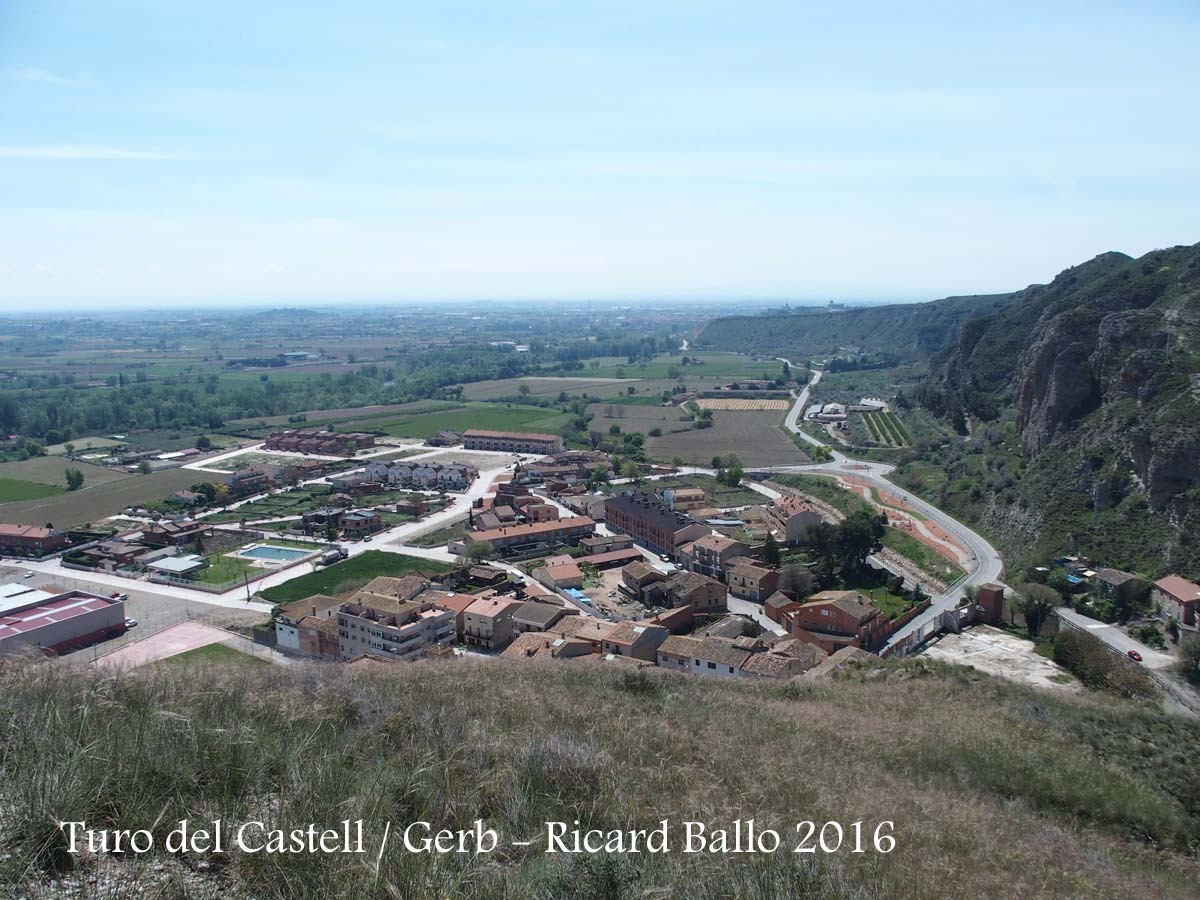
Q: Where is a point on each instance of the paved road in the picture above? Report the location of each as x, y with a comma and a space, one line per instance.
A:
985, 565
1117, 639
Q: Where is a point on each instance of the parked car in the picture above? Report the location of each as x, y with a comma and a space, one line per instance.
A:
367, 539
131, 623
1134, 655
119, 596
29, 574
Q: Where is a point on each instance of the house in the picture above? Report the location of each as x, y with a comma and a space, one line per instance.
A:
751, 580
250, 481
790, 519
676, 652
511, 441
534, 616
488, 622
31, 540
711, 553
321, 519
391, 628
703, 594
420, 475
540, 512
835, 619
1118, 586
173, 533
637, 576
457, 604
650, 522
445, 438
606, 543
182, 566
1177, 598
318, 638
636, 640
685, 498
360, 523
187, 498
559, 572
534, 645
722, 657
289, 615
326, 443
584, 628
776, 604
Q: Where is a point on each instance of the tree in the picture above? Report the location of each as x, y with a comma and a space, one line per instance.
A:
523, 390
632, 471
771, 551
796, 581
677, 461
144, 467
1189, 660
74, 479
858, 536
823, 542
204, 442
1035, 602
477, 550
70, 448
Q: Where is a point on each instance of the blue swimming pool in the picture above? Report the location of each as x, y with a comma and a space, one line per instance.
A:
274, 554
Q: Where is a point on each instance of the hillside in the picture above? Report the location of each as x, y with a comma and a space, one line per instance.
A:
1099, 374
908, 331
995, 790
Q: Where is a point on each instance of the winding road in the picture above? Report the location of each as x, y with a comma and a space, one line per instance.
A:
986, 564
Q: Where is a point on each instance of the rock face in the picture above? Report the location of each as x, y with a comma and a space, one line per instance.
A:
1098, 370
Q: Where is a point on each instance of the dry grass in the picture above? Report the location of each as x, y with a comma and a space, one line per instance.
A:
996, 791
754, 436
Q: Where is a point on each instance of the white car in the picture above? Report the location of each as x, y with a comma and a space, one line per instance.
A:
131, 623
30, 574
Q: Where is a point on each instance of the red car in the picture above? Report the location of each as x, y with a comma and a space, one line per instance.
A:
1134, 655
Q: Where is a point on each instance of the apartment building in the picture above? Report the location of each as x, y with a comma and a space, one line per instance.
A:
531, 534
391, 628
709, 555
751, 580
835, 619
511, 441
651, 522
289, 616
790, 519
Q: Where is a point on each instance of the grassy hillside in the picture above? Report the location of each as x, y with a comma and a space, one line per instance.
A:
908, 331
995, 791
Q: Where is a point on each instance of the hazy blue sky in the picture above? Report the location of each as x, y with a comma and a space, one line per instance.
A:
258, 150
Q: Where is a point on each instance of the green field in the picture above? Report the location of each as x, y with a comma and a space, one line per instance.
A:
824, 489
715, 365
352, 574
215, 655
496, 416
11, 489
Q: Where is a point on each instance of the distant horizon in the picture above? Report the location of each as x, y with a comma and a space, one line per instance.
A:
228, 153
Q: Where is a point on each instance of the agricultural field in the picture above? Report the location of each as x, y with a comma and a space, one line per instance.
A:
711, 365
631, 418
497, 416
83, 445
92, 503
351, 574
885, 429
754, 436
52, 470
543, 386
741, 405
295, 502
12, 490
347, 416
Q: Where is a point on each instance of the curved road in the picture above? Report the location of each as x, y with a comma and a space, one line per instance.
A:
988, 566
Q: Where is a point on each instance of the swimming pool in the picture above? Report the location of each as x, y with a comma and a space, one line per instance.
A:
274, 554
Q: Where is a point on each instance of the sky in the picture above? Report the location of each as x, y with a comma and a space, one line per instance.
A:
162, 153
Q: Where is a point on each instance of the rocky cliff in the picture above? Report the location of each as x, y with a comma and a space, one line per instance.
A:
1097, 371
